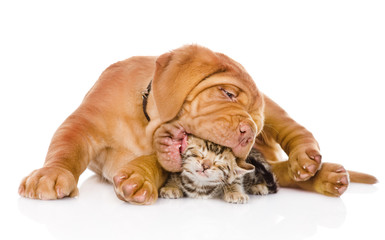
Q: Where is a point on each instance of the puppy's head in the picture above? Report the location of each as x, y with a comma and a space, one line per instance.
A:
208, 95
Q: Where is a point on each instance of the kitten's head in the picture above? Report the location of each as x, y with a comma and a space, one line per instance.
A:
208, 163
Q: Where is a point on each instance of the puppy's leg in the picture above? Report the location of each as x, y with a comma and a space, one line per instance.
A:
298, 143
68, 156
138, 181
331, 180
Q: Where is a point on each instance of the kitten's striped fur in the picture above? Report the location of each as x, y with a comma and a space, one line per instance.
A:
210, 170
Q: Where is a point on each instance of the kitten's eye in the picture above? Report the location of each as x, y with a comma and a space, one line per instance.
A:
229, 94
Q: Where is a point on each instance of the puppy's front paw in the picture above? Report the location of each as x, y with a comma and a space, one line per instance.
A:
236, 197
304, 163
170, 192
133, 187
49, 183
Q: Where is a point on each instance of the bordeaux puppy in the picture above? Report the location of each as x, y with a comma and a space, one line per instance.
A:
132, 124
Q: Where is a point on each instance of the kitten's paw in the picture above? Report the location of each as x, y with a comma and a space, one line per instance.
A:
170, 192
259, 189
236, 197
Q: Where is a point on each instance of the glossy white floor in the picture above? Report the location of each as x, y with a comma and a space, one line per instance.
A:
322, 61
289, 214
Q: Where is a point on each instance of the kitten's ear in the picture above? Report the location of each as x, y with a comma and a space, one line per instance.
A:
245, 168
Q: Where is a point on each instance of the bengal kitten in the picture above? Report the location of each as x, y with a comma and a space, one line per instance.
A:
210, 170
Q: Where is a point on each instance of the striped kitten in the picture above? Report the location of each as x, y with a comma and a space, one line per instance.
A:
210, 170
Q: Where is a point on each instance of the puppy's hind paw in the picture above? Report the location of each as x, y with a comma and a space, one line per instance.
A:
332, 180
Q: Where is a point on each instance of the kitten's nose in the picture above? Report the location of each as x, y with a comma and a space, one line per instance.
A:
206, 164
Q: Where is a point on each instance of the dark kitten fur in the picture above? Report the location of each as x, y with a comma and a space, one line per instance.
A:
262, 178
210, 170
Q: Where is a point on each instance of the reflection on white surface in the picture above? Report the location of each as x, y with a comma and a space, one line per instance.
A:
98, 214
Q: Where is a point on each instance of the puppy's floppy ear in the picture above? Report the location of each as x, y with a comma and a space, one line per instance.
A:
177, 73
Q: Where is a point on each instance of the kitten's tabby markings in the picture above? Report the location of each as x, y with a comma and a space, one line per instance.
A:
210, 170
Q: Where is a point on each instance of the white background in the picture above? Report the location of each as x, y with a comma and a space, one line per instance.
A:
323, 61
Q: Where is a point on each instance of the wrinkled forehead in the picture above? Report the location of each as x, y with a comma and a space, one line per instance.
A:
243, 83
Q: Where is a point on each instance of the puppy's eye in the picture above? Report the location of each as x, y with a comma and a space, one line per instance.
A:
229, 94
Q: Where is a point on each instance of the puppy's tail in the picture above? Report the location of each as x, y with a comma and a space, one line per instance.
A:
358, 177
